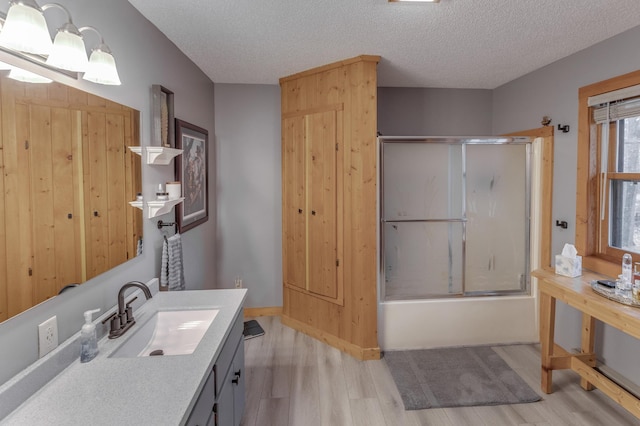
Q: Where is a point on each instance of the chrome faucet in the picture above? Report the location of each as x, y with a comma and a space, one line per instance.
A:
123, 319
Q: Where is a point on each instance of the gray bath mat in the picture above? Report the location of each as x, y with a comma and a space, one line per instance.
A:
456, 377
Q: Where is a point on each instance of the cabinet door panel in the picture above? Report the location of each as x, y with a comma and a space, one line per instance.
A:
225, 359
322, 196
294, 204
224, 404
238, 373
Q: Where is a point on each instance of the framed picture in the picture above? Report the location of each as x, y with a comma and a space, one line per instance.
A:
162, 132
192, 171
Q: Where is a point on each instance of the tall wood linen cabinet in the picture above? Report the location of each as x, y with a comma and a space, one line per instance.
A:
329, 192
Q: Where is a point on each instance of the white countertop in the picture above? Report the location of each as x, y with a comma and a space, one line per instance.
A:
158, 390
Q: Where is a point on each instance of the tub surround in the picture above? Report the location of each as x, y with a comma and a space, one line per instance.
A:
144, 390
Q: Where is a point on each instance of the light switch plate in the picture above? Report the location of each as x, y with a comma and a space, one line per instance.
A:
48, 336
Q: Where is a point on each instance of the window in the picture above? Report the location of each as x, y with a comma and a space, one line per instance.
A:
621, 230
624, 189
608, 192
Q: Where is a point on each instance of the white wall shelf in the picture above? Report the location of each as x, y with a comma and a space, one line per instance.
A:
156, 155
159, 155
157, 208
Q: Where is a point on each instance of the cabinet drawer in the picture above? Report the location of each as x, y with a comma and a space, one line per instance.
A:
223, 363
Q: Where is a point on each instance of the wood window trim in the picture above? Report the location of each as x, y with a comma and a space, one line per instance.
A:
587, 216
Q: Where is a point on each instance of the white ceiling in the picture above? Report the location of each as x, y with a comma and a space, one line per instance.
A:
454, 44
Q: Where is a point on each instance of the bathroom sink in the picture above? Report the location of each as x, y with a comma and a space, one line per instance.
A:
168, 332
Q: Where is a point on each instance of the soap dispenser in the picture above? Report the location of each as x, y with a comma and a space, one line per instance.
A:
88, 338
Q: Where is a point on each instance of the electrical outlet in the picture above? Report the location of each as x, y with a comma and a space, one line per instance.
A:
238, 282
48, 336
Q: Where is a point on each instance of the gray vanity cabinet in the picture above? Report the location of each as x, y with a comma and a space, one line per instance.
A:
221, 401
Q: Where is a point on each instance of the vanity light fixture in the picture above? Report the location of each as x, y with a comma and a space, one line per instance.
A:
25, 28
68, 52
102, 66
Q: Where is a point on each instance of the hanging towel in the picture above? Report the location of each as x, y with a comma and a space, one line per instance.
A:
139, 247
172, 270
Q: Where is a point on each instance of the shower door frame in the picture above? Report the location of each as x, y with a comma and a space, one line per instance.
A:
525, 283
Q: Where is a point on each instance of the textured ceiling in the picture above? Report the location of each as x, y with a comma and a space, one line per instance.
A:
455, 43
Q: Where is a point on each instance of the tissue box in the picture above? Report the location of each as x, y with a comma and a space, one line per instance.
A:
568, 266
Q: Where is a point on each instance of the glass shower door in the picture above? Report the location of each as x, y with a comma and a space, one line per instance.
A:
455, 218
423, 224
497, 230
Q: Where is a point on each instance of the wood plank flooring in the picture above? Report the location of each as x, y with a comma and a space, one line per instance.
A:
295, 380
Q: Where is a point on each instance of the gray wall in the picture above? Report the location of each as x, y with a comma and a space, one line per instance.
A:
434, 112
249, 237
553, 91
144, 57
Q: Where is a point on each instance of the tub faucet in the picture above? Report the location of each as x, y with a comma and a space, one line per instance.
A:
123, 319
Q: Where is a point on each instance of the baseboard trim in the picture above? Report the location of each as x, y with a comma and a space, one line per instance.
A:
363, 354
271, 311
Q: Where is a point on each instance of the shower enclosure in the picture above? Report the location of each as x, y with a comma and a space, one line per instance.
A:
455, 216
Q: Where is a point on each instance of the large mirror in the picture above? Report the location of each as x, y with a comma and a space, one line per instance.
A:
65, 189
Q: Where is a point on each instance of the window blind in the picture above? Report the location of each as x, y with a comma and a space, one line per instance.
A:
614, 96
617, 111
